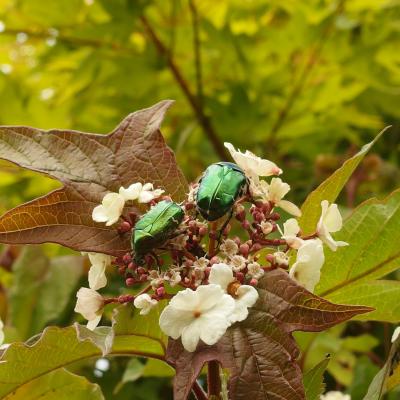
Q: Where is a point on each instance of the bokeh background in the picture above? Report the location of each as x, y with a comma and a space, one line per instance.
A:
304, 83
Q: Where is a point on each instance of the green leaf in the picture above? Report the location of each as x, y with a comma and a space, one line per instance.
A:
349, 274
58, 347
313, 380
388, 377
57, 385
330, 189
41, 289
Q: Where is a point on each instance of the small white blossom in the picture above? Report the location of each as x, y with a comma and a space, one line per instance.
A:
238, 263
110, 209
266, 227
396, 334
330, 221
281, 258
203, 314
192, 193
201, 263
155, 279
142, 193
245, 295
229, 247
198, 275
254, 270
252, 165
90, 304
145, 303
276, 191
307, 268
173, 277
291, 229
97, 277
1, 332
335, 396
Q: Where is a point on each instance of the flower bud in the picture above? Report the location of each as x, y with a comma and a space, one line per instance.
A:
130, 281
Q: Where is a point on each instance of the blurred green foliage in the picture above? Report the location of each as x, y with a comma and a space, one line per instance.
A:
304, 83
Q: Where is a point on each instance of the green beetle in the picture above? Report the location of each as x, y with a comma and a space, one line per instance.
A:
220, 186
155, 227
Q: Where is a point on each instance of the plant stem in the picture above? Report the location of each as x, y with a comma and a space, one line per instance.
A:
214, 381
198, 391
202, 118
212, 241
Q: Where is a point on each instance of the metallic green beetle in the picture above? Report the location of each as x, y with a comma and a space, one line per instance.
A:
155, 227
221, 185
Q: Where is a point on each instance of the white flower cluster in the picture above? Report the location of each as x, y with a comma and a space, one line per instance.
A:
214, 295
110, 209
310, 253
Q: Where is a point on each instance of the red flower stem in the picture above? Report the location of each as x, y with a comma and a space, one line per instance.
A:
212, 241
214, 380
198, 391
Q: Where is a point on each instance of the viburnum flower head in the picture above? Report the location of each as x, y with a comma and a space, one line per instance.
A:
253, 165
145, 303
335, 396
307, 268
97, 277
245, 295
330, 221
203, 314
142, 193
110, 209
90, 304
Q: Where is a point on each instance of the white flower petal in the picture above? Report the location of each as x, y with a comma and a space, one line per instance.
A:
145, 303
333, 220
335, 396
146, 196
396, 334
97, 277
251, 164
99, 214
191, 335
222, 275
132, 192
1, 332
307, 268
89, 303
92, 324
191, 314
277, 190
289, 207
246, 297
110, 209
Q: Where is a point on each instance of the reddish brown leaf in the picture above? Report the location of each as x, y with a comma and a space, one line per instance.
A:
89, 166
260, 352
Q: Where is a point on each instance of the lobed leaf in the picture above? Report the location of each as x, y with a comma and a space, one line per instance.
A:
58, 385
89, 166
55, 348
330, 188
350, 274
260, 352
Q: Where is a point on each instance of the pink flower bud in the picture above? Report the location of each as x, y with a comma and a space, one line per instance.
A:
160, 291
127, 258
244, 249
253, 282
124, 227
130, 281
